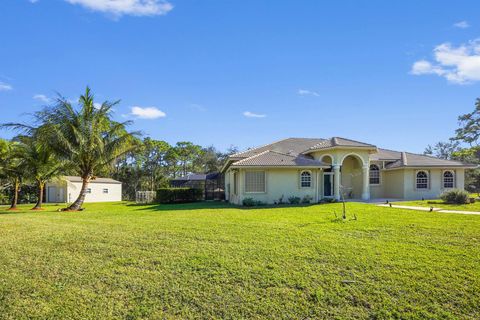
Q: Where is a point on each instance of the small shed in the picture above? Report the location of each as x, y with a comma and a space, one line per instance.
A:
213, 184
67, 189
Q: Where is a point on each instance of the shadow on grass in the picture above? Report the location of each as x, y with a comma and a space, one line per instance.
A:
209, 205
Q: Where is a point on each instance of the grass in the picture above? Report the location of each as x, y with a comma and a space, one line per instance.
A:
215, 261
440, 204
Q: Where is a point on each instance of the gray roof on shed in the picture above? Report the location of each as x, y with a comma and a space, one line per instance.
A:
97, 180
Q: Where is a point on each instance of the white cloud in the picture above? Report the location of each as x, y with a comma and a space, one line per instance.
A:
305, 92
42, 98
97, 105
148, 113
5, 86
119, 8
458, 65
249, 114
461, 24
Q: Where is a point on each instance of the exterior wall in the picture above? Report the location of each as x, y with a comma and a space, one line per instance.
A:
377, 191
435, 183
393, 184
279, 182
63, 191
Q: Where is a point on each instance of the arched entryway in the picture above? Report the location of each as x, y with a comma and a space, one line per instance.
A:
351, 181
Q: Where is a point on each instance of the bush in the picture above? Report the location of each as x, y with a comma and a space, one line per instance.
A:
250, 202
173, 195
294, 200
455, 197
307, 199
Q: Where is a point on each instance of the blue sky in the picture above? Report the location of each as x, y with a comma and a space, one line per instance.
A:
246, 73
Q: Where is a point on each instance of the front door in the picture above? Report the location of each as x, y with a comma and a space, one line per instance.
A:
52, 194
328, 184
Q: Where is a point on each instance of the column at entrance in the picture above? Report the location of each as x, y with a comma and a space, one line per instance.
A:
366, 183
336, 183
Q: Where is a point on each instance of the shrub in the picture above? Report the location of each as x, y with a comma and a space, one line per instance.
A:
455, 197
294, 200
250, 202
172, 195
307, 199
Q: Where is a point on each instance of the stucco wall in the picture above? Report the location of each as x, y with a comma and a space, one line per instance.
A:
436, 183
279, 182
393, 184
69, 191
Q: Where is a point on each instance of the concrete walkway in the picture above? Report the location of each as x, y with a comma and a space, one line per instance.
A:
433, 209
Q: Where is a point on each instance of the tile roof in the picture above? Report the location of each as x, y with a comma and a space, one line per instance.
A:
341, 142
97, 180
291, 152
418, 160
295, 145
276, 159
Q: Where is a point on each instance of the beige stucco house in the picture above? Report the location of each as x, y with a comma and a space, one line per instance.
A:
336, 168
67, 189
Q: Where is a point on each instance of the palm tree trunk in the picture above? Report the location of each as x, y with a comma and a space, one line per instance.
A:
38, 206
16, 188
77, 205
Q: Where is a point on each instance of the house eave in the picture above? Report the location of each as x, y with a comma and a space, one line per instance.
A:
434, 167
280, 167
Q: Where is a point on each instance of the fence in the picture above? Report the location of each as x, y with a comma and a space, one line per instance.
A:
145, 197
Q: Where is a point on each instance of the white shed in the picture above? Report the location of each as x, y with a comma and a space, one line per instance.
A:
67, 189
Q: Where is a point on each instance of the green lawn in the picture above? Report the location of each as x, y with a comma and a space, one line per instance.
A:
440, 204
216, 261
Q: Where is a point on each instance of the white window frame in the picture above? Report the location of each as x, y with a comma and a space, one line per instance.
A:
416, 180
370, 173
89, 190
453, 179
310, 184
264, 181
105, 189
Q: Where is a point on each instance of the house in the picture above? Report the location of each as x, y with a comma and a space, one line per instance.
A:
336, 168
211, 183
68, 188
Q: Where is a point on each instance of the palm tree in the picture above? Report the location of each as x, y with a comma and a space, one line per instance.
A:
13, 169
86, 137
40, 163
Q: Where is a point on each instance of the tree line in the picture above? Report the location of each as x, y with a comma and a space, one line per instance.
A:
84, 140
463, 146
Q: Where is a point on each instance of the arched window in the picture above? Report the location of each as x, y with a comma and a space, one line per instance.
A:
448, 179
374, 174
422, 180
305, 179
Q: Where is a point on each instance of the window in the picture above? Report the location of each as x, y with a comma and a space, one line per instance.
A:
89, 190
374, 174
105, 190
305, 179
448, 179
422, 180
255, 181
